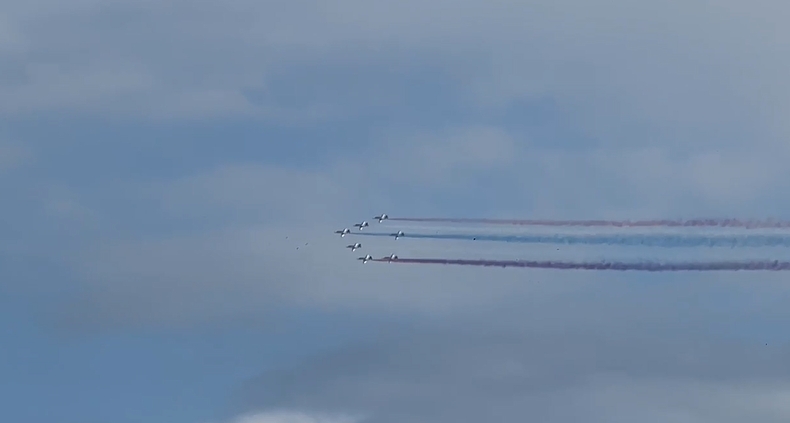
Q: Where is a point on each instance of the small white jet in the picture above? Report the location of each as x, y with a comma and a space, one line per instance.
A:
390, 258
343, 232
398, 235
366, 258
361, 225
382, 218
355, 247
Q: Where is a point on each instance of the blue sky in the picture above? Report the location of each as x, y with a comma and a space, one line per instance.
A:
155, 155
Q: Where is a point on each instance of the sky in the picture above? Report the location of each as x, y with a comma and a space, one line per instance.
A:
161, 161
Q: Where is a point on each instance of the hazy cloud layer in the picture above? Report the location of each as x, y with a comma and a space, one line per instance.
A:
676, 73
468, 108
643, 370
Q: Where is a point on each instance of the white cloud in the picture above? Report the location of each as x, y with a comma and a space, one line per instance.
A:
293, 417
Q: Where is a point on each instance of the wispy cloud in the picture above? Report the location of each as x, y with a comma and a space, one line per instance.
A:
293, 417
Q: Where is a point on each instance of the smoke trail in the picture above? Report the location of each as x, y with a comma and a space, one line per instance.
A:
774, 265
724, 223
666, 241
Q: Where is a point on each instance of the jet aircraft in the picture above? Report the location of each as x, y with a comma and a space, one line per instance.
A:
355, 247
382, 218
343, 232
364, 224
366, 258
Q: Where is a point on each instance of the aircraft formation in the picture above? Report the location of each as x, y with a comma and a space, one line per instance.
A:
356, 246
600, 235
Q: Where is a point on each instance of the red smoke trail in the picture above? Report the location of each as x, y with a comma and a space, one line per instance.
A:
774, 265
724, 223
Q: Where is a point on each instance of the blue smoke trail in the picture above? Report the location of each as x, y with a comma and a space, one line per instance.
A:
666, 241
683, 223
774, 265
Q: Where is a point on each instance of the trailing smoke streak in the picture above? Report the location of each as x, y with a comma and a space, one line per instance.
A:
666, 241
774, 265
724, 223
